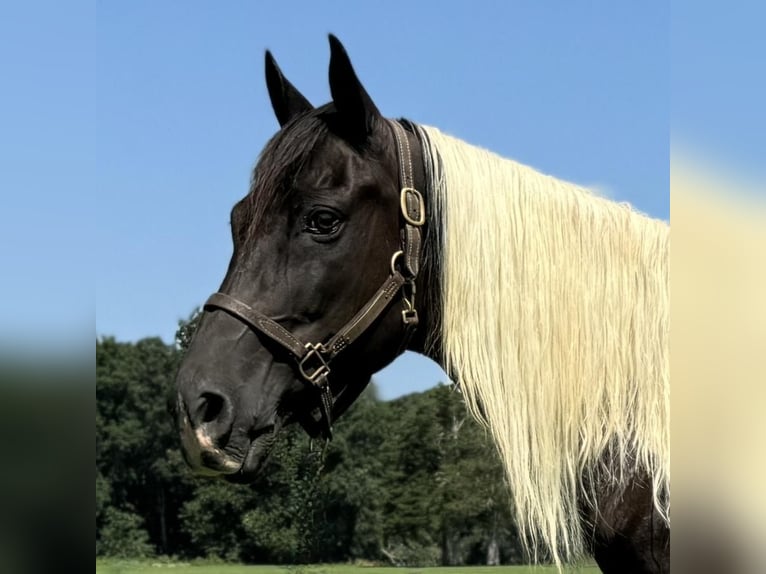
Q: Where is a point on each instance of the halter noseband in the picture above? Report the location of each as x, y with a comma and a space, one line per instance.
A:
313, 359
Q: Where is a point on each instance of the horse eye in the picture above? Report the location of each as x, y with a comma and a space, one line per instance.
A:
322, 221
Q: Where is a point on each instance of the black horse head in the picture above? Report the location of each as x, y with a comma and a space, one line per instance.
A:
317, 296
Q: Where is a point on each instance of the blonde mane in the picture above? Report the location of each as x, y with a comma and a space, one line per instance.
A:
555, 326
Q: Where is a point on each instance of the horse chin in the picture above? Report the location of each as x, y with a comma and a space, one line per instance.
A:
256, 457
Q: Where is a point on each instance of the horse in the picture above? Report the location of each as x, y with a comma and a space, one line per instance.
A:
362, 236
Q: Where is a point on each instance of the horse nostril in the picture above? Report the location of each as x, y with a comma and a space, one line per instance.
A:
211, 406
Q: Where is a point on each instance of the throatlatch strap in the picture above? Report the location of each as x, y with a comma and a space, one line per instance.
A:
412, 203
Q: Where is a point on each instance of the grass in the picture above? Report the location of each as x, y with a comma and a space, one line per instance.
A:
158, 567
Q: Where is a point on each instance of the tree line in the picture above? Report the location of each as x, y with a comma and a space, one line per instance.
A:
413, 481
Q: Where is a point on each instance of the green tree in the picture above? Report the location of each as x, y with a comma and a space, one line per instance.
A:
136, 444
123, 535
352, 484
415, 481
473, 499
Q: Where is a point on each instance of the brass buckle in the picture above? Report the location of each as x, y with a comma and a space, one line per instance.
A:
421, 206
317, 370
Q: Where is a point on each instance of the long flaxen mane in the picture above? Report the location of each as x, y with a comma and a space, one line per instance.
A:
555, 326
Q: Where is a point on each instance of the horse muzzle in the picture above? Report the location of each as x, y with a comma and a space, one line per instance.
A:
210, 445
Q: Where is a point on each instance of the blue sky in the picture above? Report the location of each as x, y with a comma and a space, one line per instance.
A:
47, 178
178, 111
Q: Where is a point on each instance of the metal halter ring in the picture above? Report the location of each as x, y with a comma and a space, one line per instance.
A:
394, 257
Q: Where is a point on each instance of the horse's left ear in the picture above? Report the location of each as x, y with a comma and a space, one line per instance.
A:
286, 100
355, 107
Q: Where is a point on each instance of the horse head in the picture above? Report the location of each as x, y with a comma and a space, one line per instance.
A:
320, 290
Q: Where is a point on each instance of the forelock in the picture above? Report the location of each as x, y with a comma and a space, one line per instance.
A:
281, 162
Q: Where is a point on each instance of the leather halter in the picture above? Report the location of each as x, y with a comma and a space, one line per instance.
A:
313, 360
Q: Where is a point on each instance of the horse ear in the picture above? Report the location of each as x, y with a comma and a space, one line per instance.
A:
354, 105
286, 100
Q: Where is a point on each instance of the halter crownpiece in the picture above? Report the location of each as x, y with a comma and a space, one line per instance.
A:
312, 360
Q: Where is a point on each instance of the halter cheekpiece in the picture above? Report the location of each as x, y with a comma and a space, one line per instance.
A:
312, 360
